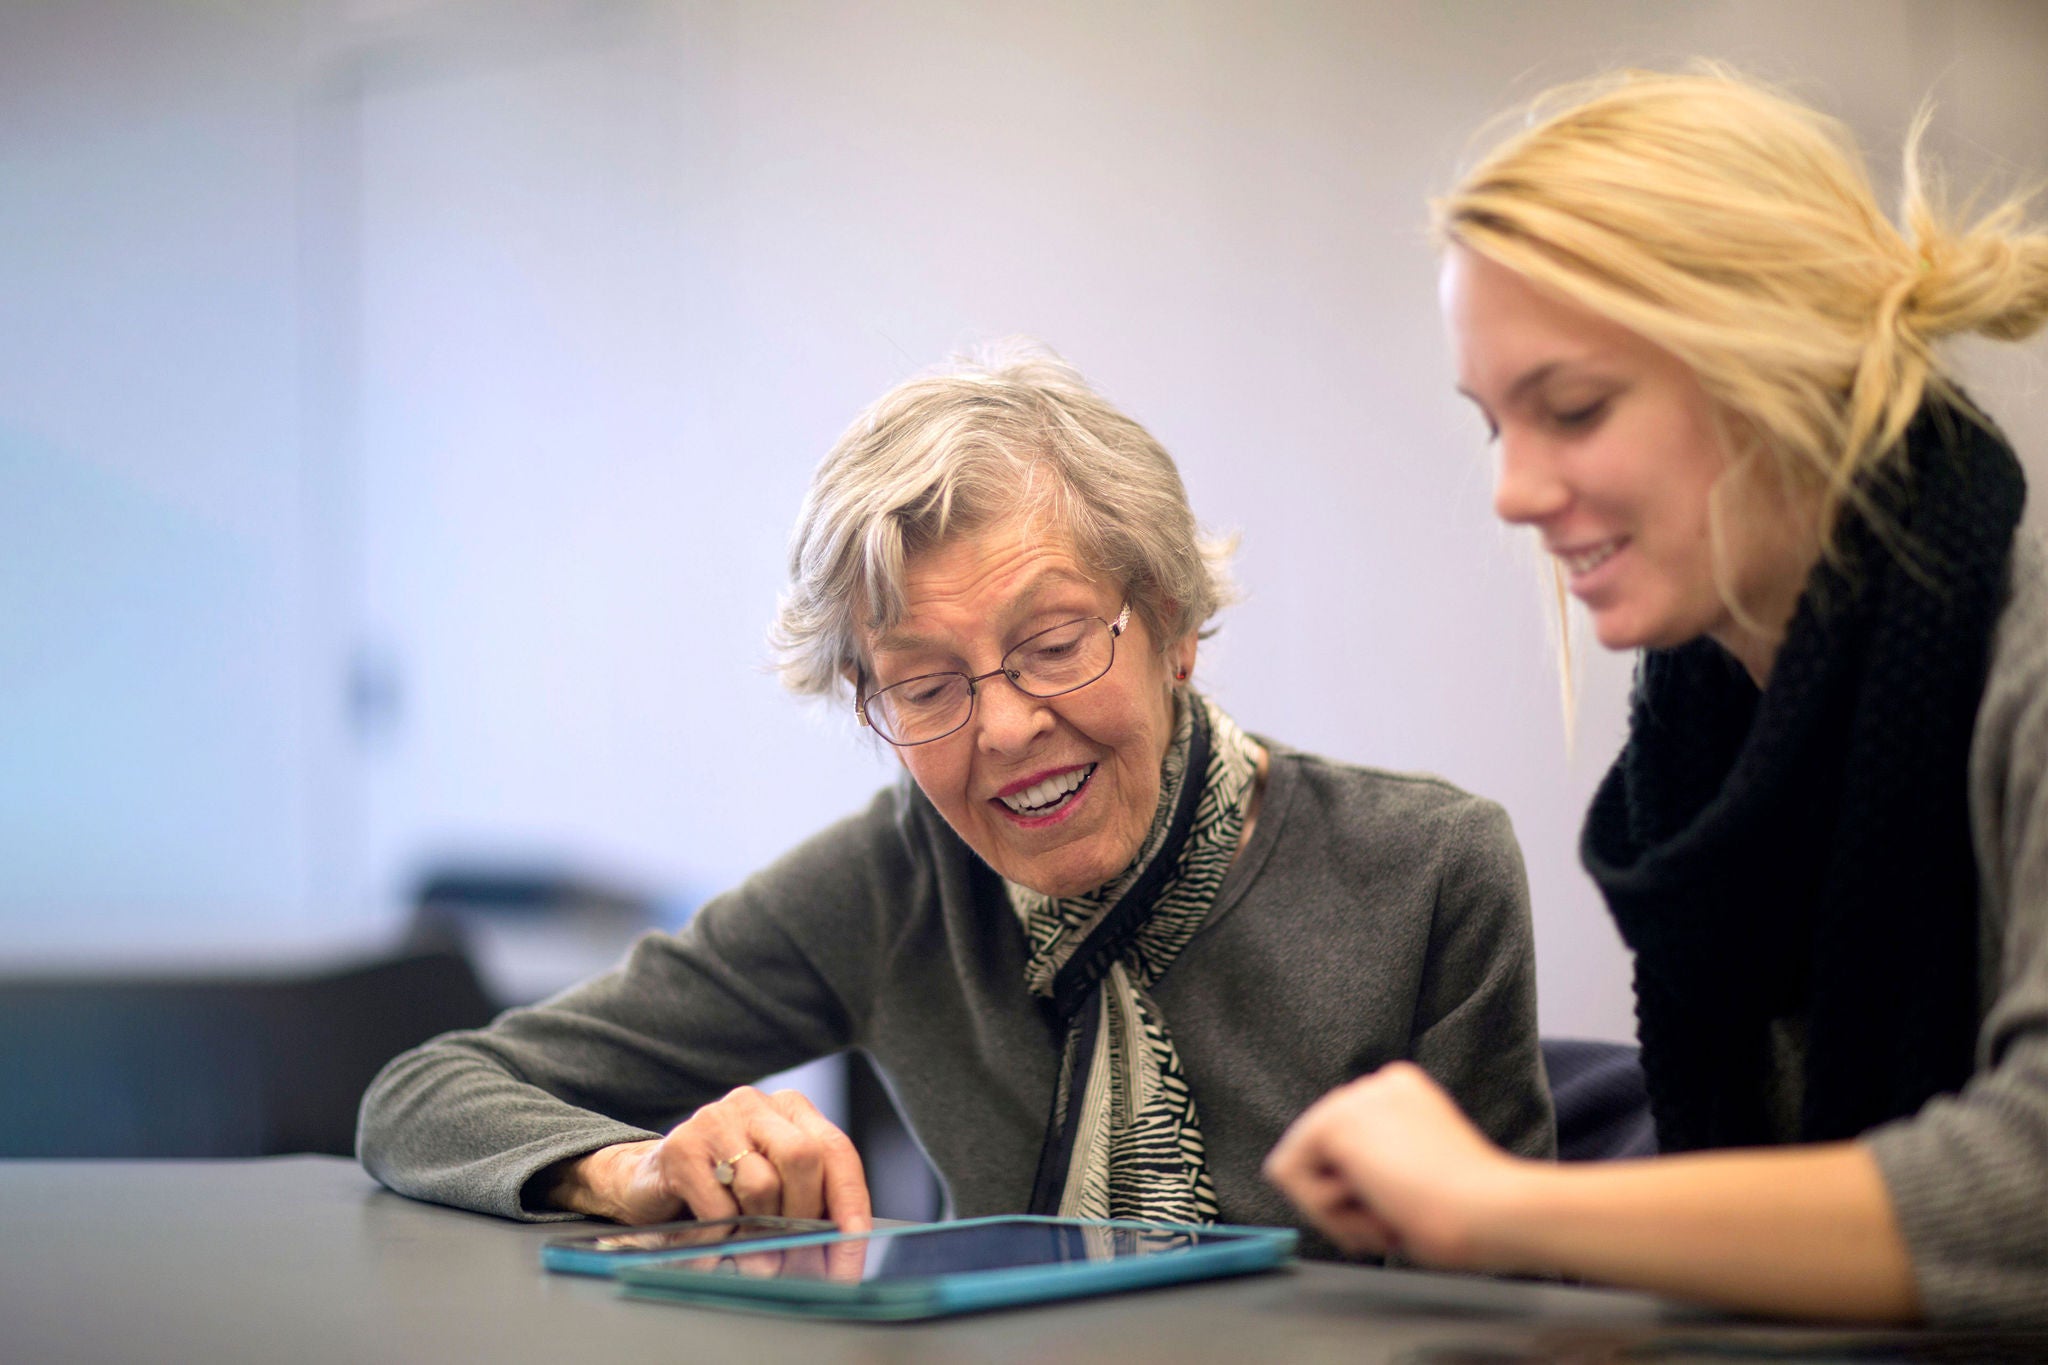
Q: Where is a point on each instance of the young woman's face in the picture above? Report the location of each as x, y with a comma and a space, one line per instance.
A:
1090, 758
1609, 449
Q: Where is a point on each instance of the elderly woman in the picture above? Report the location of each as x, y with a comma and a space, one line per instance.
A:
1104, 944
1710, 364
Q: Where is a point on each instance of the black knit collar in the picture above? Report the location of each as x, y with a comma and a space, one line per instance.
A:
1804, 853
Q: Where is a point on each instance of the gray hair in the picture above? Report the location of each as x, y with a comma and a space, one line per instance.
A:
1011, 428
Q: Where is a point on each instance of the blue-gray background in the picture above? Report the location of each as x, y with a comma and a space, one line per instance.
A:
403, 406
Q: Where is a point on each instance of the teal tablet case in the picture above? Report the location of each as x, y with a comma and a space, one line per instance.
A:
1224, 1250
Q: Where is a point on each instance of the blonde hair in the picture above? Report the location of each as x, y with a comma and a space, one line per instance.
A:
1009, 429
1737, 228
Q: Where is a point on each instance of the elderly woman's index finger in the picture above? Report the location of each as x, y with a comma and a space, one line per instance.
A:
846, 1186
846, 1183
842, 1176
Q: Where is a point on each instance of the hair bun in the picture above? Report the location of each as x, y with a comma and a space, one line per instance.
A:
1989, 279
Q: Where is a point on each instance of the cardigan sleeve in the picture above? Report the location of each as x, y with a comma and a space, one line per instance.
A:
1475, 1013
764, 977
1968, 1174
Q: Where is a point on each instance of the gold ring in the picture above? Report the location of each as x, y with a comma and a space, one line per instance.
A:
723, 1171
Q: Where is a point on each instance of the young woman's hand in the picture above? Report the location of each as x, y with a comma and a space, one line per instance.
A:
1389, 1164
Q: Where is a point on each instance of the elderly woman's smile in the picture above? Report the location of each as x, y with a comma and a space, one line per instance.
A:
1056, 793
1039, 801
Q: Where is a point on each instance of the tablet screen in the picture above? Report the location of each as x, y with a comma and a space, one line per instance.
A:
688, 1236
921, 1253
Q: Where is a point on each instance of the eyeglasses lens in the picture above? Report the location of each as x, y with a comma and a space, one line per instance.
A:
1056, 661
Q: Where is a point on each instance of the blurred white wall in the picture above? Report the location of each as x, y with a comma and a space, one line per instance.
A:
403, 405
155, 671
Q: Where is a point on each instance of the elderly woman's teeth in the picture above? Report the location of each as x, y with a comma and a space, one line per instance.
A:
1046, 795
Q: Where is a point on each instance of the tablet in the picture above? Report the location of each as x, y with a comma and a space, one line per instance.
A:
603, 1253
930, 1271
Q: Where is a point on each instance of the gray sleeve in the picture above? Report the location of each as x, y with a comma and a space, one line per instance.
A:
1968, 1175
763, 978
1475, 1020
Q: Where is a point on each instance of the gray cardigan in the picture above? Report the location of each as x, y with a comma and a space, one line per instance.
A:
1372, 916
1968, 1176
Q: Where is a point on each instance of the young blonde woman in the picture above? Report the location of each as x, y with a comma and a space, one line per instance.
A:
1709, 363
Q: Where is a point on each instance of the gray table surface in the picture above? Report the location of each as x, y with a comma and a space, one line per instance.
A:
306, 1259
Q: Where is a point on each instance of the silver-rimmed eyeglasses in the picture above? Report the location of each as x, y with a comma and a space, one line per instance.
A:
1052, 663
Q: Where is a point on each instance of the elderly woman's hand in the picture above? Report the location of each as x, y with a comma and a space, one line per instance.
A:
776, 1153
1389, 1164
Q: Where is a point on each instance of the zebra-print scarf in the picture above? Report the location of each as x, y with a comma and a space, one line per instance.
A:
1132, 1145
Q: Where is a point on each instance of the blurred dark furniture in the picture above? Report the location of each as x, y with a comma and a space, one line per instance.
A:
214, 1067
1603, 1106
530, 931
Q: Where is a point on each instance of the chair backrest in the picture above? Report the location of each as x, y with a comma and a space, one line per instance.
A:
172, 1067
530, 932
1603, 1105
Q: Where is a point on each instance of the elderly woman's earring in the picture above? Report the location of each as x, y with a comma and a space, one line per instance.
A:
1180, 675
